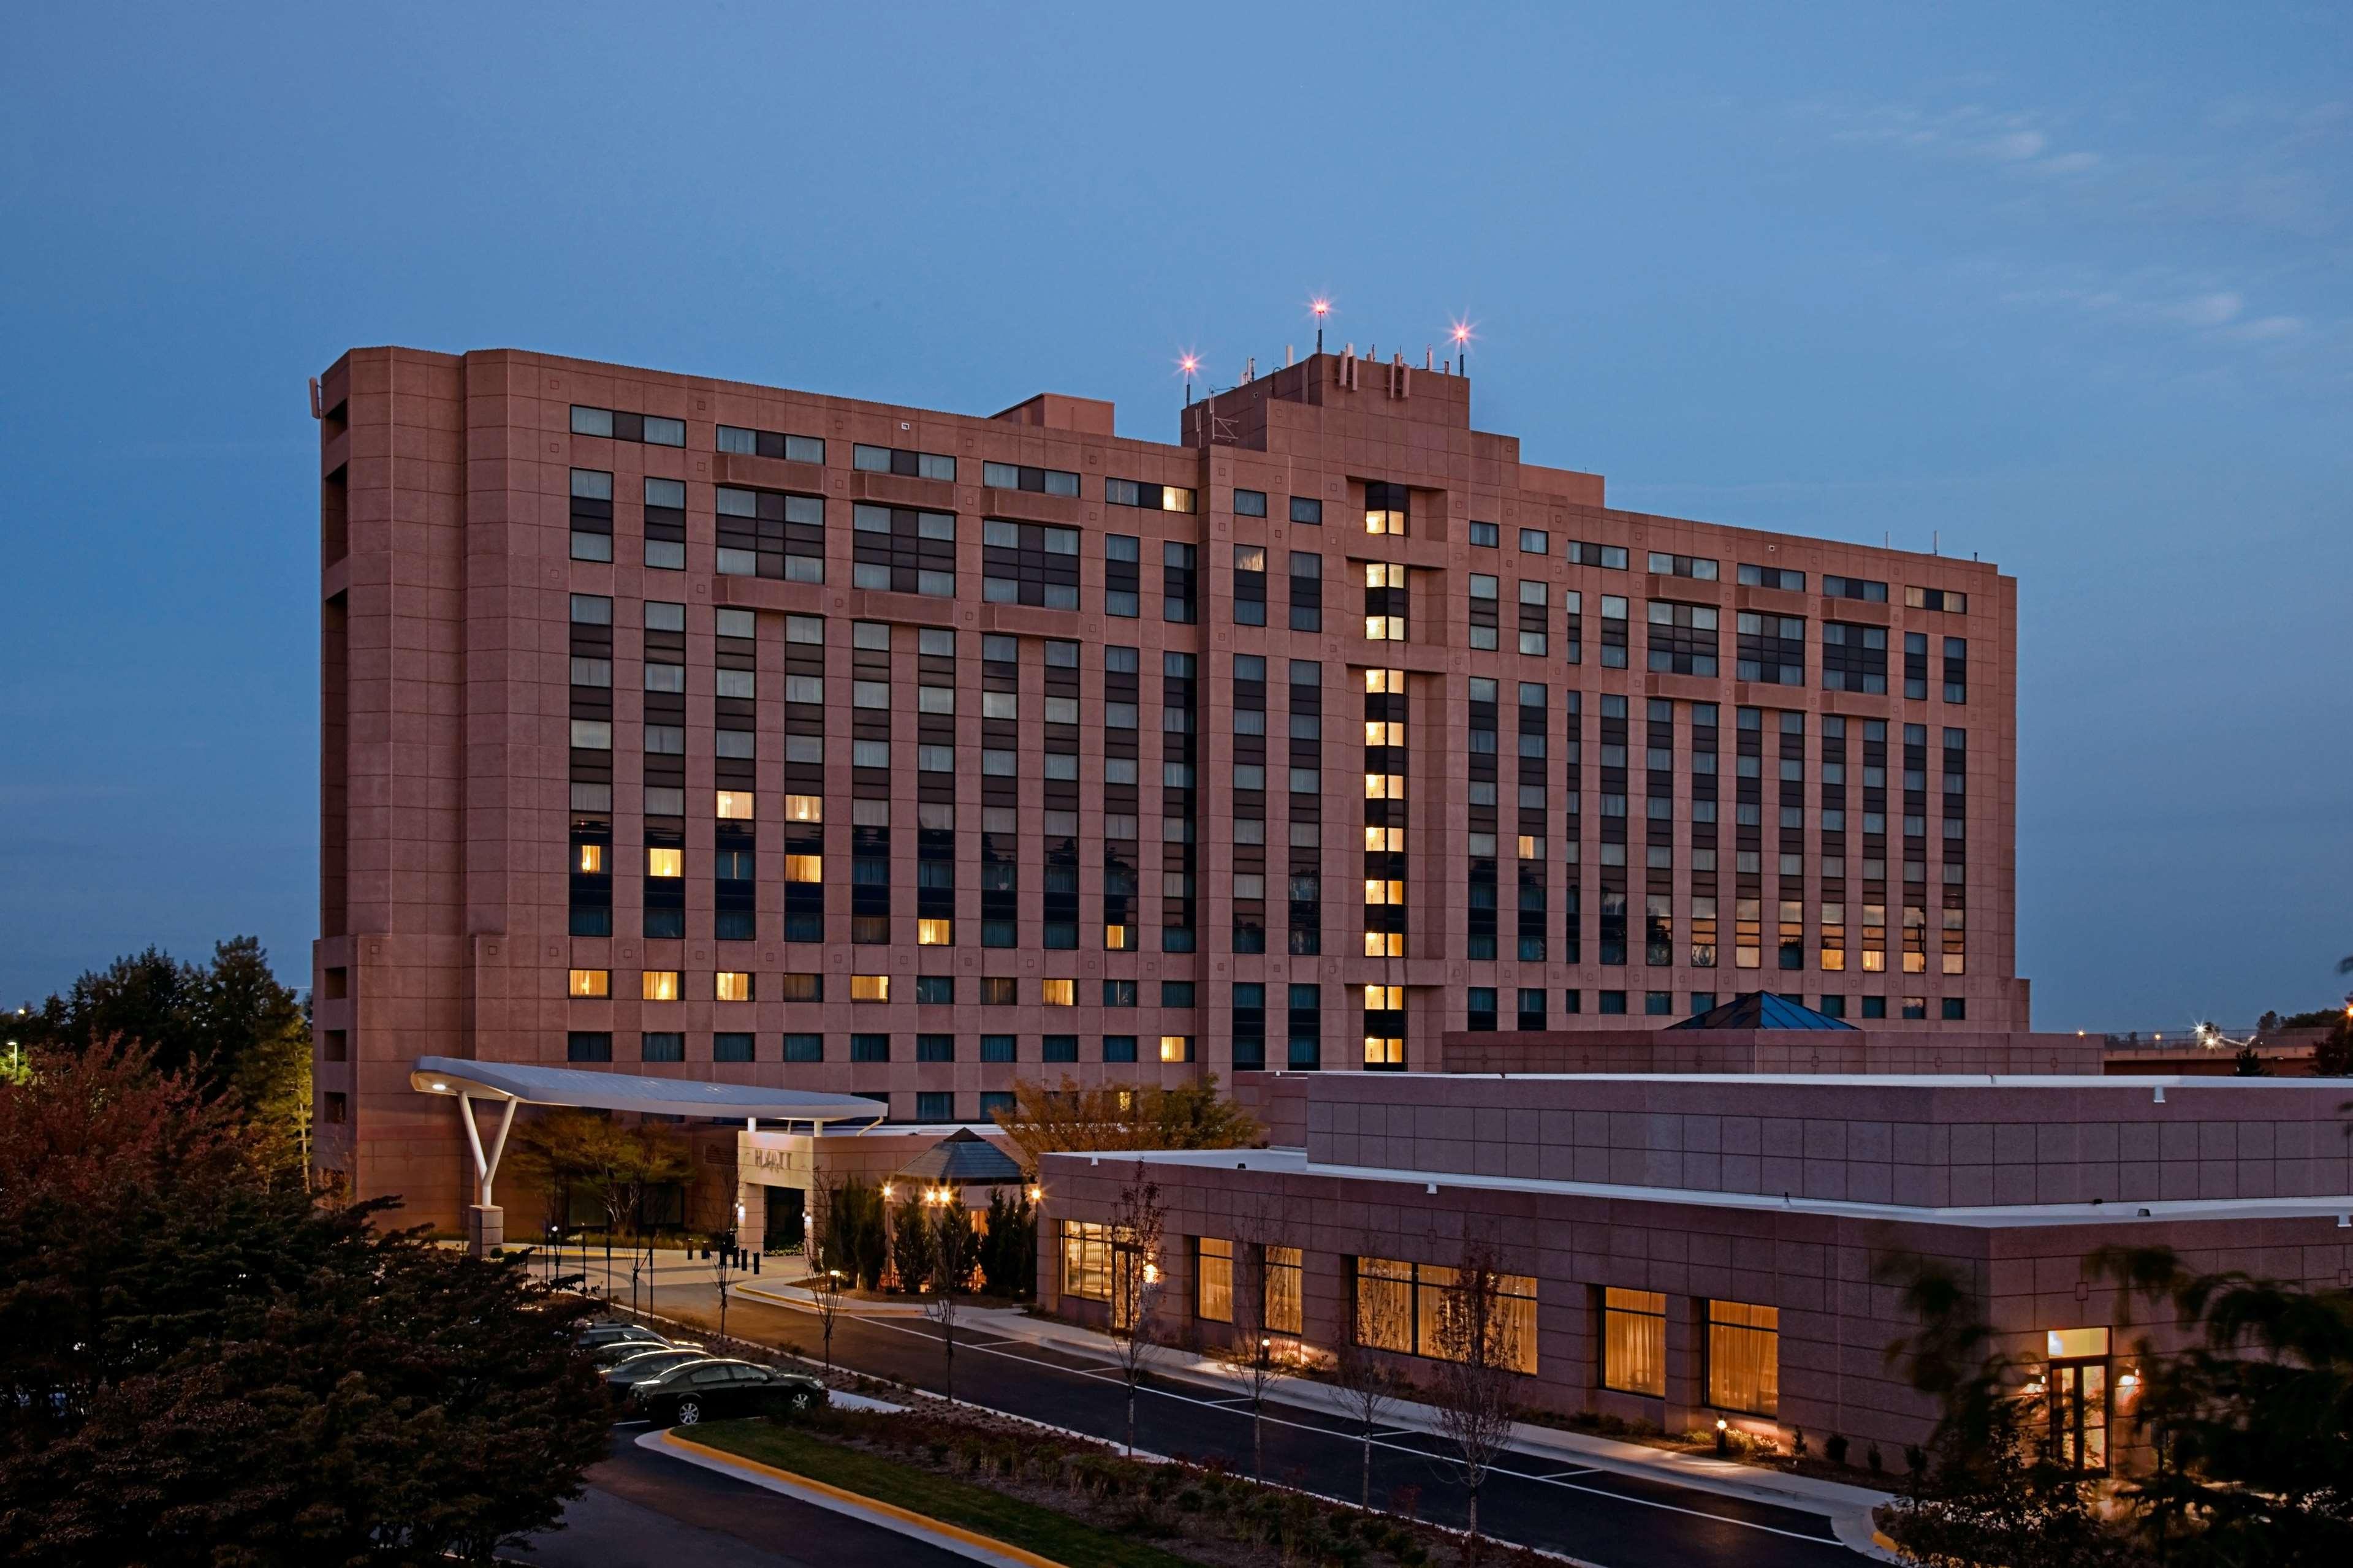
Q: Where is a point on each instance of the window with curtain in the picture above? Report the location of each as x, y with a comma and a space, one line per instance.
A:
1213, 1279
1399, 1306
1634, 1342
1285, 1279
1744, 1357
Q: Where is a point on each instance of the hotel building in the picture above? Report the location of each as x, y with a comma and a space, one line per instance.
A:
681, 727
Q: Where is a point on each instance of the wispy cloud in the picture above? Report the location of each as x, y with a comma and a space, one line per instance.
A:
2021, 139
2158, 299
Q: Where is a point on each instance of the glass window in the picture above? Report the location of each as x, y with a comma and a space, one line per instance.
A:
592, 983
1285, 1289
1744, 1357
1213, 1279
1086, 1261
1634, 1342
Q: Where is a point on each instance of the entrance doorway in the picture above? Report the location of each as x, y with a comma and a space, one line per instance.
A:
2078, 1398
785, 1207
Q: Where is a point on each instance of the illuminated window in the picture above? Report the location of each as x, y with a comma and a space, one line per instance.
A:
1379, 891
1387, 508
591, 858
1401, 1307
804, 868
1086, 1261
869, 988
1382, 840
1119, 939
1384, 732
1213, 1279
1634, 1342
592, 983
1385, 680
730, 986
1531, 846
1176, 1048
665, 862
1744, 1357
1384, 944
1284, 1270
934, 932
659, 985
1384, 786
1058, 993
804, 808
734, 806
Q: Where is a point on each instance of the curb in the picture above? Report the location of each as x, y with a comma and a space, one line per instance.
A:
905, 1521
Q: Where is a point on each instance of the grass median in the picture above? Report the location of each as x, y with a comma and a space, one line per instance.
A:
1011, 1519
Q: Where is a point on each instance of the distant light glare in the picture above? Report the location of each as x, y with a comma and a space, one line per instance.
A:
1190, 363
1320, 307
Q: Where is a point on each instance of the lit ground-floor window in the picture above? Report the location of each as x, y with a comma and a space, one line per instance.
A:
1744, 1357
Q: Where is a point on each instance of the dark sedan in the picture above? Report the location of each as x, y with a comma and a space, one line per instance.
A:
705, 1389
645, 1365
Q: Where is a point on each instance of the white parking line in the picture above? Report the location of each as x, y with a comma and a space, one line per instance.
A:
1559, 1479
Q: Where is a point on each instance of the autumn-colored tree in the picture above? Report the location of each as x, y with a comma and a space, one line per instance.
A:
200, 1366
1065, 1117
228, 1027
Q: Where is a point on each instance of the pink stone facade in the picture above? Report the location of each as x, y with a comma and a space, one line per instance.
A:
449, 572
1675, 1185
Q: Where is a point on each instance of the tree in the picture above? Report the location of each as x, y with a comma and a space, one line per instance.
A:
722, 1274
230, 1028
1368, 1383
951, 1247
564, 1151
854, 1233
1256, 1355
1138, 1221
1008, 1246
2253, 1420
1991, 1493
912, 1253
828, 1277
2332, 1054
1478, 1353
200, 1366
1049, 1119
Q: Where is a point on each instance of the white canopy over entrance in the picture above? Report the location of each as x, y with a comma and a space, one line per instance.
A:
510, 1084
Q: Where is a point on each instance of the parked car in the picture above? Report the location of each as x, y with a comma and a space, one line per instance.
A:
612, 1353
633, 1370
613, 1330
703, 1390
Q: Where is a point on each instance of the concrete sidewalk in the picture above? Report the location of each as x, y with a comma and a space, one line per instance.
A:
1848, 1508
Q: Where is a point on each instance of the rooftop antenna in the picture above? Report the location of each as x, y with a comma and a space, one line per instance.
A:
1189, 363
1321, 306
1427, 349
1288, 358
1461, 333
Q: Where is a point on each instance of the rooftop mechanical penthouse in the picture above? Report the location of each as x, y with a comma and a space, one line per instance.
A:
723, 731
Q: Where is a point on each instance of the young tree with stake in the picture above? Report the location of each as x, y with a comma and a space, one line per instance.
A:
1478, 1351
952, 1249
1138, 1221
1259, 1355
825, 1282
1368, 1386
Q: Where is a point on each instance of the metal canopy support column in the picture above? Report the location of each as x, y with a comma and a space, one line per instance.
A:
486, 1167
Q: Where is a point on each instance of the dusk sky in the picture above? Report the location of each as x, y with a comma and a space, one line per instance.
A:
2067, 287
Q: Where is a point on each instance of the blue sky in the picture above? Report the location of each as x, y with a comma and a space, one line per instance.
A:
2065, 287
